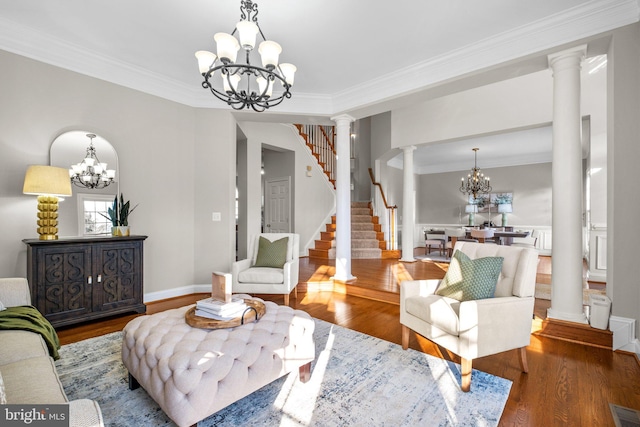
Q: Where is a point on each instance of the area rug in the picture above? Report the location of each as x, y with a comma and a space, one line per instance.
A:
543, 291
357, 380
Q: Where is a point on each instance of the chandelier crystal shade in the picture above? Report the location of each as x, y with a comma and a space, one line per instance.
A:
475, 183
91, 173
243, 85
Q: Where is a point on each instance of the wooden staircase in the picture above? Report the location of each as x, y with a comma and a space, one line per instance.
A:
367, 238
321, 142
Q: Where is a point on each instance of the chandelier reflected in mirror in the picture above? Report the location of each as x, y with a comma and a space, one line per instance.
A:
91, 173
243, 85
475, 183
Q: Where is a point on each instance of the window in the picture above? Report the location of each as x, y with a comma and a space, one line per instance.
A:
90, 208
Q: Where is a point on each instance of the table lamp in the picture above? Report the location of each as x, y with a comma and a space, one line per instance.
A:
48, 183
471, 210
504, 209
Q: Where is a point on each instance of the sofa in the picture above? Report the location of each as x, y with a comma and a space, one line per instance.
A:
27, 371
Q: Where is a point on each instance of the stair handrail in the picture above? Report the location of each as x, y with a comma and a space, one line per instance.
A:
391, 226
322, 146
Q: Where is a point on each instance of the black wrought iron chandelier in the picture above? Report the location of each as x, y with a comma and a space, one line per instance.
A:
476, 182
91, 173
244, 85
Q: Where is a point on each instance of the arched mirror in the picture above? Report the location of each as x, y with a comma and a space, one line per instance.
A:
80, 214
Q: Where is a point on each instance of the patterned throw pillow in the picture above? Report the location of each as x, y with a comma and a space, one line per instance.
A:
272, 254
470, 279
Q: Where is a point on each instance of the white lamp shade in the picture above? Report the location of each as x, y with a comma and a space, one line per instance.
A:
206, 60
265, 84
97, 168
234, 79
505, 208
471, 208
247, 32
269, 52
89, 161
289, 71
227, 46
47, 180
111, 173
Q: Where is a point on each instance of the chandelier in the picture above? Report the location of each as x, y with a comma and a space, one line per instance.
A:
243, 85
476, 182
91, 173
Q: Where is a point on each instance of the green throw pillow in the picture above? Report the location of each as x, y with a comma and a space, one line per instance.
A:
470, 279
272, 254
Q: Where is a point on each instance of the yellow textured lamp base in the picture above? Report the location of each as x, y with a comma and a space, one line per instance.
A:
48, 217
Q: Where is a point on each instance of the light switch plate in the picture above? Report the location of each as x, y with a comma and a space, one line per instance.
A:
216, 216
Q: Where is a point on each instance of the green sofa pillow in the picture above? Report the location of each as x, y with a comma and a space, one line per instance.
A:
272, 254
470, 279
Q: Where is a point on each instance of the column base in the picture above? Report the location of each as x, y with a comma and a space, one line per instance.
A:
569, 317
344, 279
407, 260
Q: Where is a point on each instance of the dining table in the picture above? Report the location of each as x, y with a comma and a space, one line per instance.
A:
506, 237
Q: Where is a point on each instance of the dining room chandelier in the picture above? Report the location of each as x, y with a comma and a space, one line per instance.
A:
244, 85
91, 173
475, 182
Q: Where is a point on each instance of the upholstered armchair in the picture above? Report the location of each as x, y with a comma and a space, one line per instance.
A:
473, 328
272, 266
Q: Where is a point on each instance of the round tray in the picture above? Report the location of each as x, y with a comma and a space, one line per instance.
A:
255, 310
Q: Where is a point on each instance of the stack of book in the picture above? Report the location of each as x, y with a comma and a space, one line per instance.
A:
213, 308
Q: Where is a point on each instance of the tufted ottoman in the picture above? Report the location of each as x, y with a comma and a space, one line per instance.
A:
192, 373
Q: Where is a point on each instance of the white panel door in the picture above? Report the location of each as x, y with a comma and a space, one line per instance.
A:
277, 206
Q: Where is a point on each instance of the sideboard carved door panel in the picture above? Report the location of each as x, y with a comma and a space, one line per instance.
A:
63, 290
118, 267
75, 279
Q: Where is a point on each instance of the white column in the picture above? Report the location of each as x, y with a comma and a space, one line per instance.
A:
343, 199
408, 205
566, 261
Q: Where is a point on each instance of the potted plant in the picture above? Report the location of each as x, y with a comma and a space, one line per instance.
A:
118, 214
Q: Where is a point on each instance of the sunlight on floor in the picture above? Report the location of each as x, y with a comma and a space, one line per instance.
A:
314, 385
400, 273
322, 275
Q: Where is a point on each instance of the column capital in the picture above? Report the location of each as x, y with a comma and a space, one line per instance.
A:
342, 118
409, 148
577, 52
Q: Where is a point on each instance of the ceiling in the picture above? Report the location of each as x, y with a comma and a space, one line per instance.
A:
351, 55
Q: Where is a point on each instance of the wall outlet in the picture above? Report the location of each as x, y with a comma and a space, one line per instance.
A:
216, 216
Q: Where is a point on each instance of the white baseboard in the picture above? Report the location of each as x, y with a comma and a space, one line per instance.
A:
624, 334
177, 292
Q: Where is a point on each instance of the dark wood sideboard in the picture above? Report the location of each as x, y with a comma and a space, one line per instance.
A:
73, 280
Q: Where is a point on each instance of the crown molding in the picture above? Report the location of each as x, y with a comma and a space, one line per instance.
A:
585, 20
582, 21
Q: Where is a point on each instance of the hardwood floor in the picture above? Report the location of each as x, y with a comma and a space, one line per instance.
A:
568, 384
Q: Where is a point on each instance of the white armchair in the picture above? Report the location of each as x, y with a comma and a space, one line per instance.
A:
476, 328
251, 279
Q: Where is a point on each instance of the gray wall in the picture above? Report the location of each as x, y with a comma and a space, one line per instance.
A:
623, 152
362, 154
439, 201
177, 162
313, 199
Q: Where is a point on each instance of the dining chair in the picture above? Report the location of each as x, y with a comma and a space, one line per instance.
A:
531, 241
453, 236
484, 236
436, 240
